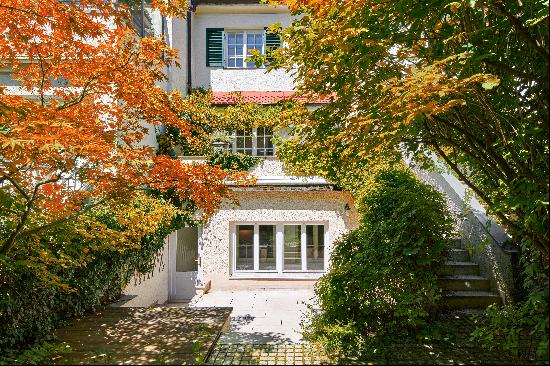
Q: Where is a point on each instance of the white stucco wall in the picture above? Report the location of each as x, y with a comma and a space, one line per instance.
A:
150, 288
268, 167
237, 18
269, 206
229, 80
178, 75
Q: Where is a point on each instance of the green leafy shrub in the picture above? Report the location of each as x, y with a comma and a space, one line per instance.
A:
78, 267
382, 279
521, 328
228, 160
40, 354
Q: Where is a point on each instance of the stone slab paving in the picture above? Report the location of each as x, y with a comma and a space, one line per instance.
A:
159, 335
265, 327
262, 316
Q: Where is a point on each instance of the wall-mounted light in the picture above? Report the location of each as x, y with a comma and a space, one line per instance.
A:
347, 210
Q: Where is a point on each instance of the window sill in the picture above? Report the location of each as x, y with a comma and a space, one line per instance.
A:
273, 276
243, 68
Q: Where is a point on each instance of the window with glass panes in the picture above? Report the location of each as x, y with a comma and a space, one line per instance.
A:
255, 141
242, 142
279, 248
264, 141
238, 46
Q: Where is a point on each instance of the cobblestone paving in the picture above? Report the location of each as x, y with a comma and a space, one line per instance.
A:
266, 354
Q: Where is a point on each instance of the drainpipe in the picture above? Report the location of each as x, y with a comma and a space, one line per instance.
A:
142, 18
189, 81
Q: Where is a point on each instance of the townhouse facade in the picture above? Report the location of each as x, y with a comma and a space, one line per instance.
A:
283, 229
281, 232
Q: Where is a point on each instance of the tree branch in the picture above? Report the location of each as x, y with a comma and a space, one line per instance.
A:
520, 29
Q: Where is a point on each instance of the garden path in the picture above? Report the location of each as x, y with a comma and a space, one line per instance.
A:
265, 327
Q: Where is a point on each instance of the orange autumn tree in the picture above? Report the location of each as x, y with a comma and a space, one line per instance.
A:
72, 123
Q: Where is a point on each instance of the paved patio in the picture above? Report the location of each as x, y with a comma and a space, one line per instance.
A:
159, 335
260, 316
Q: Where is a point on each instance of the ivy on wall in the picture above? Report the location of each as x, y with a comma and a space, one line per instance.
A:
208, 120
228, 160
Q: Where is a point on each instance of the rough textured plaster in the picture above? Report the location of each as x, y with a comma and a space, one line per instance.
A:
229, 80
326, 206
268, 167
220, 79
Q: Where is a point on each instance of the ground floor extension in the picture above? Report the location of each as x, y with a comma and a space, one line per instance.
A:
273, 238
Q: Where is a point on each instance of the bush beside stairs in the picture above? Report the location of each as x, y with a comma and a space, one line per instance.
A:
463, 286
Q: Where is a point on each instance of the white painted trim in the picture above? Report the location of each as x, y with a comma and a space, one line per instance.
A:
245, 33
256, 247
279, 273
280, 247
199, 280
303, 240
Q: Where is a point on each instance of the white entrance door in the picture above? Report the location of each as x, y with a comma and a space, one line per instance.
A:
185, 265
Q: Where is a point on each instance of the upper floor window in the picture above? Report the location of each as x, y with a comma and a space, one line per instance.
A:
256, 141
238, 46
230, 48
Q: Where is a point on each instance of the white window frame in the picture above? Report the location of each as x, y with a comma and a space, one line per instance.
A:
245, 47
254, 142
279, 244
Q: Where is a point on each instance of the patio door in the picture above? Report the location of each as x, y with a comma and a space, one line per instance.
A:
185, 265
279, 249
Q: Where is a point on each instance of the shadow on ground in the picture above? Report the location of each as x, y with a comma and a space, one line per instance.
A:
160, 335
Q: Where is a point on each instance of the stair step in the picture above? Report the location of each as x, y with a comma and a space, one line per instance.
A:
469, 299
458, 255
459, 268
464, 283
456, 242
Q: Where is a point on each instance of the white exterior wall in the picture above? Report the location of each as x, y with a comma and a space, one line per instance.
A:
269, 206
269, 166
178, 75
150, 288
238, 18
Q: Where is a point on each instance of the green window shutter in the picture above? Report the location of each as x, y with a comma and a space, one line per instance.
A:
272, 42
214, 47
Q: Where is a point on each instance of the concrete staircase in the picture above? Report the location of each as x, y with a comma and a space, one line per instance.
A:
463, 287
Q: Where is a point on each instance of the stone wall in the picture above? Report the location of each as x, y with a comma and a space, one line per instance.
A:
320, 206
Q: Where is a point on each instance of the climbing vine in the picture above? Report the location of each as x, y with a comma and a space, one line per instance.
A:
207, 119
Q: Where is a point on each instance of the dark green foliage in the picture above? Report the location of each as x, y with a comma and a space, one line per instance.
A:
382, 278
37, 355
228, 160
32, 301
521, 328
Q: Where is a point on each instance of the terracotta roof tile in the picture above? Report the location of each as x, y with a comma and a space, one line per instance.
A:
262, 97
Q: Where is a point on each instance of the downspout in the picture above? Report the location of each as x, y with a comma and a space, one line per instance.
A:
142, 19
189, 81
